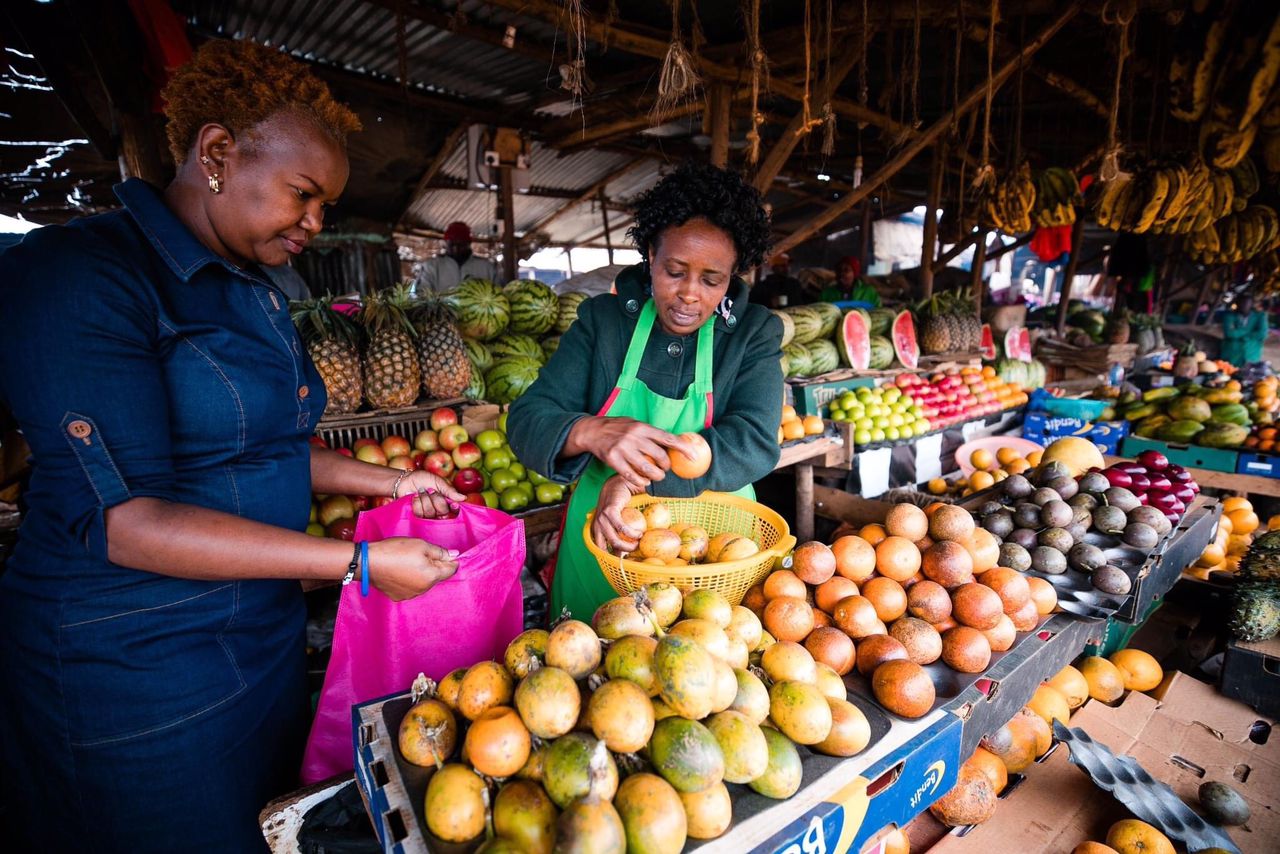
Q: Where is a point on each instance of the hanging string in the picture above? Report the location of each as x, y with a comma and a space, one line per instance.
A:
806, 118
679, 79
828, 114
1110, 169
987, 173
915, 70
759, 69
573, 74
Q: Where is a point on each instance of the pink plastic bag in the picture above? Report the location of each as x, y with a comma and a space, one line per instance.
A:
379, 646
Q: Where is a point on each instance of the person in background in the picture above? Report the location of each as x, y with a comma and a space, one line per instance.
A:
152, 623
444, 272
849, 284
779, 289
1243, 333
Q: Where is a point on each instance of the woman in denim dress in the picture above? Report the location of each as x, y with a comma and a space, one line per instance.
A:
151, 616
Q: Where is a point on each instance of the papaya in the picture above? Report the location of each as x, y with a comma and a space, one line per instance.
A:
1179, 431
1231, 413
1151, 395
1140, 411
1216, 396
1217, 435
1190, 409
1147, 427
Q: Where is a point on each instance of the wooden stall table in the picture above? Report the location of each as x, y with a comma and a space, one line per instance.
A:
826, 450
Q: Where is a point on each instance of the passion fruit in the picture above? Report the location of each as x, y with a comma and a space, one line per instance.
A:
631, 658
966, 649
708, 605
574, 647
567, 770
709, 812
548, 702
833, 648
929, 601
428, 733
876, 650
455, 804
904, 688
813, 562
744, 626
619, 714
922, 641
497, 743
746, 753
789, 661
850, 730
686, 675
686, 754
800, 711
782, 778
752, 698
527, 647
652, 815
524, 814
619, 618
487, 684
666, 600
705, 633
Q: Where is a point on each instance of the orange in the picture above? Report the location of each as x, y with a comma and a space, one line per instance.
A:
897, 558
1032, 458
1140, 669
784, 582
873, 533
1243, 519
793, 429
982, 459
1007, 455
1238, 502
1137, 837
1049, 703
813, 425
855, 557
788, 413
981, 480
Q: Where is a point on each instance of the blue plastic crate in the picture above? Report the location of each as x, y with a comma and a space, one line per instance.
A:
1262, 465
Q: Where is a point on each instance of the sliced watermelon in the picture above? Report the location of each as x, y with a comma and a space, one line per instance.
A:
854, 341
1013, 345
1024, 344
988, 345
905, 346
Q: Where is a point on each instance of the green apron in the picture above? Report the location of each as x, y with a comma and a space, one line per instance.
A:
578, 583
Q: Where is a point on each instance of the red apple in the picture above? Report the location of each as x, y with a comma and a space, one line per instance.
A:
371, 454
402, 462
468, 481
476, 498
360, 443
318, 442
396, 446
346, 452
426, 440
418, 457
342, 529
467, 454
335, 507
439, 463
452, 436
443, 417
360, 501
382, 500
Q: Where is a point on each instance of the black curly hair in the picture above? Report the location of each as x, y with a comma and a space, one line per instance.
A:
717, 195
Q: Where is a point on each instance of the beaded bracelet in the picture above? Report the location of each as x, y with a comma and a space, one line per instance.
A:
395, 487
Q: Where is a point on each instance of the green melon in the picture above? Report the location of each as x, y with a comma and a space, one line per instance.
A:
881, 320
788, 326
881, 353
550, 345
568, 312
509, 378
823, 357
517, 344
475, 389
535, 308
808, 324
829, 314
479, 355
482, 309
798, 359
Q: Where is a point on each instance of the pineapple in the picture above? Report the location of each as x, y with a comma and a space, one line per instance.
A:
442, 357
1255, 611
935, 331
333, 341
1262, 561
391, 372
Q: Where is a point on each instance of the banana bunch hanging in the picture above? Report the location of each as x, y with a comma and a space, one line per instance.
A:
1236, 237
1175, 197
1006, 205
1057, 196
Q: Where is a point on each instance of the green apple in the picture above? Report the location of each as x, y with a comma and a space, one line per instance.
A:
513, 499
315, 529
549, 493
502, 422
498, 458
517, 468
490, 439
537, 479
490, 499
503, 479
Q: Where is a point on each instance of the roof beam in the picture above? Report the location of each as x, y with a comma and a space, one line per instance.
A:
977, 32
925, 139
460, 25
589, 193
457, 109
437, 163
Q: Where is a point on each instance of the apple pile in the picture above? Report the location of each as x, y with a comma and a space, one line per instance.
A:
960, 394
483, 468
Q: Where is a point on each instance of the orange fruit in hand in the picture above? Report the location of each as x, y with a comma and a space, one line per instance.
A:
686, 466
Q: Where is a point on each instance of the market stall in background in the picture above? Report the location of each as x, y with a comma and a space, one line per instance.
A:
1026, 512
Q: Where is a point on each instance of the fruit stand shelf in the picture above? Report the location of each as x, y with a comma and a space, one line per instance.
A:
1232, 482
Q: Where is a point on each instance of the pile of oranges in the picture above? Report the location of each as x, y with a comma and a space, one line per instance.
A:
989, 469
794, 426
923, 586
1236, 529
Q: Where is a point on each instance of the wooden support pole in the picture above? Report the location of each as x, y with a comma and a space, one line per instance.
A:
864, 239
1209, 282
139, 153
721, 101
604, 217
1064, 295
979, 259
926, 138
508, 223
932, 199
804, 502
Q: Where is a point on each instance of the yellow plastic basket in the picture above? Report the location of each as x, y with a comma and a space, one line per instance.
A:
715, 512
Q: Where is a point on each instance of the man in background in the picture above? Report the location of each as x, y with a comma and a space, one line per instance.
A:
779, 289
444, 272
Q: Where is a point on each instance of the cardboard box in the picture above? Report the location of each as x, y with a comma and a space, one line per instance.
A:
1043, 428
1263, 465
810, 396
1190, 456
1251, 674
1190, 736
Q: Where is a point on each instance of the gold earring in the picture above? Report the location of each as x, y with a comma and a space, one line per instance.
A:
215, 184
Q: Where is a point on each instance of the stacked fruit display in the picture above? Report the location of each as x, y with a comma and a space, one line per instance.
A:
482, 468
881, 414
947, 323
666, 542
1237, 527
681, 694
925, 586
989, 469
795, 427
1200, 415
961, 394
820, 337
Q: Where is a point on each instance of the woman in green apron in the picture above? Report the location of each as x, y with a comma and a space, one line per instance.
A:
677, 348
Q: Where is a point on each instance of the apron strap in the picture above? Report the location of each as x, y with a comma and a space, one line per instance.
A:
702, 370
635, 350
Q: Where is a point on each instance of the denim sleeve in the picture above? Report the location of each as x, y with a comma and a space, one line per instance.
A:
81, 371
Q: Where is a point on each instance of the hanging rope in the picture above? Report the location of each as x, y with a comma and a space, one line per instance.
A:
828, 114
573, 74
1110, 168
759, 68
806, 118
679, 79
987, 174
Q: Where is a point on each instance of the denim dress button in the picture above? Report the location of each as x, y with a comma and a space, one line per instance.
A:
674, 349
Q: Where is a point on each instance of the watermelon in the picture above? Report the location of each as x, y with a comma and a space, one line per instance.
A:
1017, 344
475, 388
550, 345
517, 344
823, 357
904, 340
881, 353
808, 324
788, 326
830, 315
881, 320
481, 307
798, 360
988, 345
535, 308
853, 341
1024, 343
479, 355
568, 311
786, 365
509, 378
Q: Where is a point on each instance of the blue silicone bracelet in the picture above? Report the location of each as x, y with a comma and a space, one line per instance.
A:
364, 575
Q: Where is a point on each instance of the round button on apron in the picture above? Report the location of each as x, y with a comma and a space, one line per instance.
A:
731, 321
674, 349
79, 429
